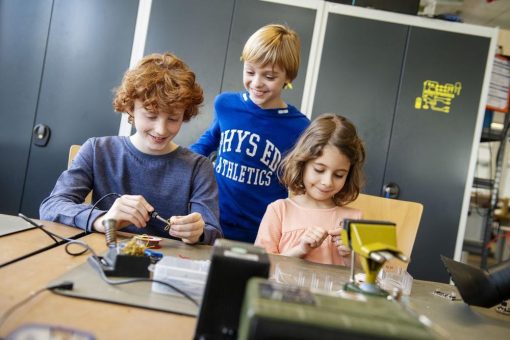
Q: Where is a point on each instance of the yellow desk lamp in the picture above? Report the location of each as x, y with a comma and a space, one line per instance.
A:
375, 242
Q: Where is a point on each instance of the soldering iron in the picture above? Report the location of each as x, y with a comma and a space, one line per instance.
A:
157, 216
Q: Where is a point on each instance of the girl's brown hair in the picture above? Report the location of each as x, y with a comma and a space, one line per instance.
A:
327, 129
162, 82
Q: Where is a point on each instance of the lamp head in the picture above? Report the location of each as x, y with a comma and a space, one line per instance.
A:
375, 242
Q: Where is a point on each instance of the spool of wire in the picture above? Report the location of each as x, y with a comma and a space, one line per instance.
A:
109, 232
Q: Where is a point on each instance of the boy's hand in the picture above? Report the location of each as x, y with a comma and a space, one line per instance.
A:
126, 210
189, 228
312, 238
336, 238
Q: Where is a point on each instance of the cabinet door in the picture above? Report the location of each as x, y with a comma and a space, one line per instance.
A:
24, 29
359, 78
196, 31
249, 16
430, 148
88, 50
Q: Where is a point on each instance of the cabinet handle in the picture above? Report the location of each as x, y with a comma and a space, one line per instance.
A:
391, 190
41, 134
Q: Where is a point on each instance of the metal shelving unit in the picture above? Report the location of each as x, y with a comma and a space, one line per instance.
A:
500, 136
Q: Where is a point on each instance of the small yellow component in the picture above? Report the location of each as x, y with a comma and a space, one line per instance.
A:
133, 247
148, 241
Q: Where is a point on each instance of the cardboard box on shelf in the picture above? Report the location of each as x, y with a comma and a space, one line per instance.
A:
504, 42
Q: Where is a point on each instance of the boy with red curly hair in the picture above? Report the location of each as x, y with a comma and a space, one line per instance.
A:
131, 177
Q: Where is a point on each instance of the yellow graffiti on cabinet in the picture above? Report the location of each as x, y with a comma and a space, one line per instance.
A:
437, 97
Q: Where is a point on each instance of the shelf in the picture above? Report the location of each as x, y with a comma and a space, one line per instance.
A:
491, 135
483, 183
473, 247
489, 202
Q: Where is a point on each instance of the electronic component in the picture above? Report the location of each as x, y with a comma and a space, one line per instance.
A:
158, 217
232, 264
449, 296
153, 255
115, 263
503, 308
275, 311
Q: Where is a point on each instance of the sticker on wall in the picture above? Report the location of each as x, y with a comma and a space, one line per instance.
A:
437, 97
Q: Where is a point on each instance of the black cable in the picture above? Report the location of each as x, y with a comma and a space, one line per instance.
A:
66, 285
96, 260
53, 236
95, 263
40, 226
50, 234
94, 207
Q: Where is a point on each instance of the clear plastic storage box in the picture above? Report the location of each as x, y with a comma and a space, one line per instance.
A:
187, 275
295, 275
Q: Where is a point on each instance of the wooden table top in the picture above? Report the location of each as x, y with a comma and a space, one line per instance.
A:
113, 321
103, 320
23, 243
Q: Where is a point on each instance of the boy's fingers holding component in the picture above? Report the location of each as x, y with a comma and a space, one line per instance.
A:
131, 208
139, 203
191, 218
189, 228
117, 212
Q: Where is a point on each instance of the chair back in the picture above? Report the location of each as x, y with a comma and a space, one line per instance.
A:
73, 151
406, 215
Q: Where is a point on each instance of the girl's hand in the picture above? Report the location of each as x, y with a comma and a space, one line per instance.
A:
336, 238
312, 239
189, 228
126, 210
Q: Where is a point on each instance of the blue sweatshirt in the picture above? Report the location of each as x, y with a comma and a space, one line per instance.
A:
250, 144
175, 184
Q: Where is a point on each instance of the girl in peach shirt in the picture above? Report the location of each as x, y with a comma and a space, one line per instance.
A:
324, 173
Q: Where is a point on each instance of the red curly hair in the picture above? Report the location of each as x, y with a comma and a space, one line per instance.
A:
162, 82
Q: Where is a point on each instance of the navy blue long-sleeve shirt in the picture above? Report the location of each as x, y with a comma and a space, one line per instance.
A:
250, 142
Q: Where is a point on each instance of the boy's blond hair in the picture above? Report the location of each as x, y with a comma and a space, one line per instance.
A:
274, 45
162, 82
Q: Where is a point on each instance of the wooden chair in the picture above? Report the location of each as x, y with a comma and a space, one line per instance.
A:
406, 215
73, 150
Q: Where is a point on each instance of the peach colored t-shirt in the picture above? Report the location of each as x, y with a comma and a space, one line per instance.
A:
285, 222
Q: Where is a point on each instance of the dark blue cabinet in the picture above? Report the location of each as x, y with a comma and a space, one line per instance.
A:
414, 94
60, 61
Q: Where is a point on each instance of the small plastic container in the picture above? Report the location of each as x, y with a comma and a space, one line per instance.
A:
397, 279
187, 275
294, 275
